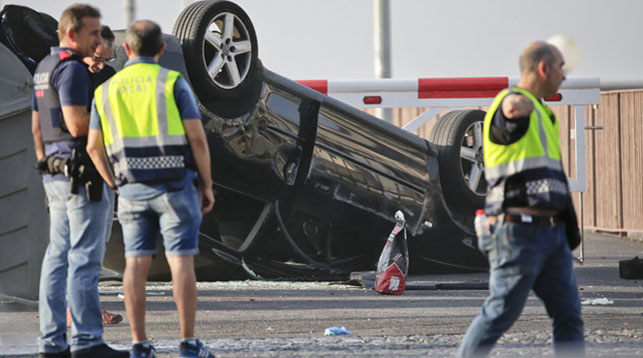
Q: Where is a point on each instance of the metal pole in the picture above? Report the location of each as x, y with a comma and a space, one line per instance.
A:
382, 47
129, 14
581, 258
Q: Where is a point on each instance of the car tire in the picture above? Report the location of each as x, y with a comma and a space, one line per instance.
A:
458, 138
220, 49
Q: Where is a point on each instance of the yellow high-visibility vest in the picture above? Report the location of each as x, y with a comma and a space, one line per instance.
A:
142, 128
536, 156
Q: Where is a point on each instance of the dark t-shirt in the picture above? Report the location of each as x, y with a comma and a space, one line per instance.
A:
506, 131
101, 76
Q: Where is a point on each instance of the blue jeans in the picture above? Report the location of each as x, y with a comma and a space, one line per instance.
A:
175, 214
523, 257
70, 269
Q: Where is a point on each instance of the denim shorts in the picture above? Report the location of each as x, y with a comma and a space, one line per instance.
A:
176, 215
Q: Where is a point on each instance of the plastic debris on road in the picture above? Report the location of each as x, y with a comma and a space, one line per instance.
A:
336, 331
393, 265
597, 302
148, 293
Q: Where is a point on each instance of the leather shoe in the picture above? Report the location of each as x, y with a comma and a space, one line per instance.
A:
99, 351
63, 354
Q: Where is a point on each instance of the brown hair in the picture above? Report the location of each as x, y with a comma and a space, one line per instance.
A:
72, 18
107, 35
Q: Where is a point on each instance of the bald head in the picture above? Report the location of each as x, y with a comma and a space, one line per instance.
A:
536, 52
144, 38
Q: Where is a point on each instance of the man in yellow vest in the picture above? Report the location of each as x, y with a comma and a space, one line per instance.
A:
146, 138
530, 205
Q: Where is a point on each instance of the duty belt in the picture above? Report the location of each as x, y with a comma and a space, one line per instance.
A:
533, 219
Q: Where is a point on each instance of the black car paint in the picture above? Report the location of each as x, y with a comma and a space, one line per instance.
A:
333, 174
330, 163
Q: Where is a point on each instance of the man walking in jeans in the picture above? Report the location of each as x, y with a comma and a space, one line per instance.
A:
145, 119
74, 256
532, 209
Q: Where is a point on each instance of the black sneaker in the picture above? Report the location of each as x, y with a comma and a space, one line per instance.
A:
99, 351
63, 354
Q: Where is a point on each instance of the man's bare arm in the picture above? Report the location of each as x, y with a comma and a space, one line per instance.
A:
199, 144
37, 135
516, 106
76, 120
96, 151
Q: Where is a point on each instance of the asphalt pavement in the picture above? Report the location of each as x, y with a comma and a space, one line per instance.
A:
288, 319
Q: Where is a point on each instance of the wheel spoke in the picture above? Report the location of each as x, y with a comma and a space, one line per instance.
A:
474, 178
468, 154
242, 47
233, 72
228, 26
214, 40
477, 135
215, 66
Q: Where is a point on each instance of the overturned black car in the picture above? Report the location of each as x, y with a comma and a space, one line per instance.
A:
307, 186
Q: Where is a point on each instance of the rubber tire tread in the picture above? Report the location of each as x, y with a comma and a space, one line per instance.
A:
180, 25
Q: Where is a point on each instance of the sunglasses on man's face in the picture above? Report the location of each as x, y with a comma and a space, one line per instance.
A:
103, 59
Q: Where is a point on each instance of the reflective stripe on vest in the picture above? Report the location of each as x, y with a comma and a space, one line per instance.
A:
136, 123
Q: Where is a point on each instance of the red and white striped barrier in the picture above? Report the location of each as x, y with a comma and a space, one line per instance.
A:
457, 93
443, 92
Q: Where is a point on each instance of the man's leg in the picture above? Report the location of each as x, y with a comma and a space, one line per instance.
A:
557, 287
507, 297
87, 227
108, 317
134, 279
139, 236
185, 293
179, 220
53, 276
515, 261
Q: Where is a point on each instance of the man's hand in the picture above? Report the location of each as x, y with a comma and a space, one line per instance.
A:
96, 151
199, 145
206, 197
516, 106
41, 166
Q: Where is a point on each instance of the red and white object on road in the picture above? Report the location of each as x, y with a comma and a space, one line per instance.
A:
393, 265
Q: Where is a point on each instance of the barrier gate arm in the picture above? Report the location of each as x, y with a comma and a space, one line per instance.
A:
439, 94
